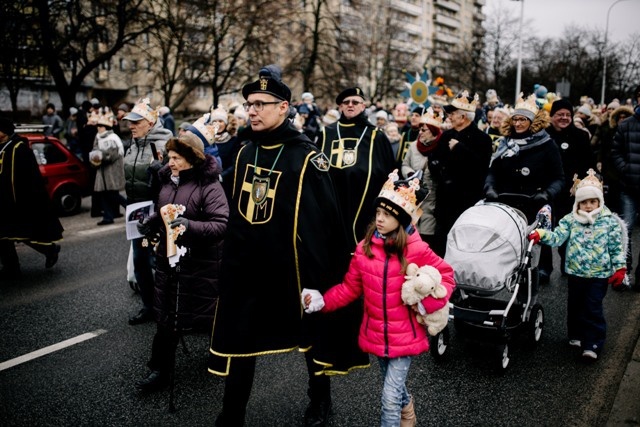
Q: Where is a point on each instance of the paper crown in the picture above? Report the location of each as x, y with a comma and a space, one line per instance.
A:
399, 198
464, 102
105, 117
142, 110
430, 118
205, 128
438, 99
591, 180
526, 107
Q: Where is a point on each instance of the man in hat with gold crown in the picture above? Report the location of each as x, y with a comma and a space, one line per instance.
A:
596, 257
360, 158
141, 164
459, 166
284, 234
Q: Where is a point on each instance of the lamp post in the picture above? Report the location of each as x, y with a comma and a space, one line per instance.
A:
604, 48
519, 69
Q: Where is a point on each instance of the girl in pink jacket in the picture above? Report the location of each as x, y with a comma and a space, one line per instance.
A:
389, 329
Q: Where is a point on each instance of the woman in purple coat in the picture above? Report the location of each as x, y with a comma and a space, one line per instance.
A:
186, 286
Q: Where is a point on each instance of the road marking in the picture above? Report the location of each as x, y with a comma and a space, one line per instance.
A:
50, 349
100, 229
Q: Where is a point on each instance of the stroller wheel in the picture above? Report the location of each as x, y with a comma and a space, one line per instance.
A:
439, 343
535, 325
503, 356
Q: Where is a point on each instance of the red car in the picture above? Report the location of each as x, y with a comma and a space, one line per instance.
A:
68, 179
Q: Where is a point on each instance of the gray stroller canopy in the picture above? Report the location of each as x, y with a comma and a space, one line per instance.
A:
486, 244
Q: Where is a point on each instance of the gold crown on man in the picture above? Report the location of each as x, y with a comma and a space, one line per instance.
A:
143, 108
461, 102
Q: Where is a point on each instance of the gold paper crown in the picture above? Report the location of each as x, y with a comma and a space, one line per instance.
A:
461, 101
430, 118
528, 104
403, 197
207, 127
590, 180
105, 117
143, 108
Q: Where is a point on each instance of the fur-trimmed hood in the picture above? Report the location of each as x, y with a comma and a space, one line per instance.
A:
540, 121
615, 115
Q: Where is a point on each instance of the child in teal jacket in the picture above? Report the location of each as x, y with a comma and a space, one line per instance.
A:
596, 257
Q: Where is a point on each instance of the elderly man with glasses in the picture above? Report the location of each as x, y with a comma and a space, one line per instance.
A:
284, 234
459, 166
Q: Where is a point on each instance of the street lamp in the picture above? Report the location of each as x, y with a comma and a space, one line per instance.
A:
519, 69
604, 48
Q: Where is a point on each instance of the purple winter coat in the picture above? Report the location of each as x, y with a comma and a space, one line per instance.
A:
194, 280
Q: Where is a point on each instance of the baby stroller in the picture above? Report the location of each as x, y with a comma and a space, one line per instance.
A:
496, 276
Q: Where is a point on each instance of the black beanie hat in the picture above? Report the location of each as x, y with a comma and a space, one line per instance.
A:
6, 126
352, 91
561, 104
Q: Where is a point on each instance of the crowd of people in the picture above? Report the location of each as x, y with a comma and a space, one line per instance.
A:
334, 203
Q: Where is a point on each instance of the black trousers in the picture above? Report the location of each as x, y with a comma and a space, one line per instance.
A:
9, 256
238, 384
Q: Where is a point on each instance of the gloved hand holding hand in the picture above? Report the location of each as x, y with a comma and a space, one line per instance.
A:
311, 300
144, 226
534, 236
616, 281
491, 195
541, 197
180, 221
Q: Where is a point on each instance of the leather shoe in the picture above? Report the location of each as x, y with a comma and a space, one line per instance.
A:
145, 315
155, 381
317, 413
103, 222
52, 256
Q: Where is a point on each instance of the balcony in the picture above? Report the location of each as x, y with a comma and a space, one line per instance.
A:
454, 7
407, 8
446, 37
446, 20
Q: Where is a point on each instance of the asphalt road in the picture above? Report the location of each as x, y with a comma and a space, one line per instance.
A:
91, 382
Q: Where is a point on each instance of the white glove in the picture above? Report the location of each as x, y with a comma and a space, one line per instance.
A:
317, 302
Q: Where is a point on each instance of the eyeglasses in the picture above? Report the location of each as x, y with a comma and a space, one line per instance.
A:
424, 126
519, 119
258, 105
353, 102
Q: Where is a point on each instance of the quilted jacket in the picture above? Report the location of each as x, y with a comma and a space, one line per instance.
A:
389, 328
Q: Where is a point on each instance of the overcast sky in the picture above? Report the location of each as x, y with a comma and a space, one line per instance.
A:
550, 17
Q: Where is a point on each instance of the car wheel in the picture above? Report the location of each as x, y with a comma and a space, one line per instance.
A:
68, 201
439, 343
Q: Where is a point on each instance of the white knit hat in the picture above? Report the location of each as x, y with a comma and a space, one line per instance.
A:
588, 188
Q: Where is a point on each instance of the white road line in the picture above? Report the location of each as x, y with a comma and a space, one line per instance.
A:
50, 349
99, 230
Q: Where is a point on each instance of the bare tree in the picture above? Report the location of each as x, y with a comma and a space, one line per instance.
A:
19, 57
75, 37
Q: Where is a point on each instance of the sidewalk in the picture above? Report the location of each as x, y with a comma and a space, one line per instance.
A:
626, 406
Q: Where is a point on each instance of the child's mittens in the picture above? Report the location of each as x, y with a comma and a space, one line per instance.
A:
311, 300
616, 281
534, 236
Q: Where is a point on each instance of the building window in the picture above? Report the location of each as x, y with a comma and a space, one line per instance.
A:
123, 64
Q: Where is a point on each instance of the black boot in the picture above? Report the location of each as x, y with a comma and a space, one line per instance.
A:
155, 381
317, 413
145, 315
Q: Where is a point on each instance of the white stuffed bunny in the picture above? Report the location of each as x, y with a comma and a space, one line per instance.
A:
421, 282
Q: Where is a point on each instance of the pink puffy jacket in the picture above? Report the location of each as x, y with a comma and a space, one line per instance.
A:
389, 328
